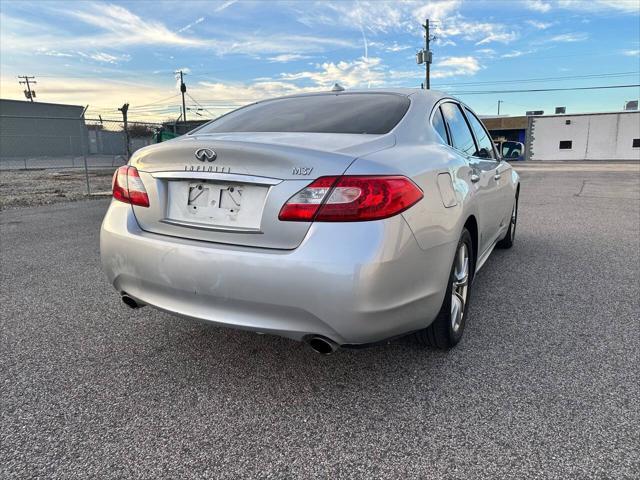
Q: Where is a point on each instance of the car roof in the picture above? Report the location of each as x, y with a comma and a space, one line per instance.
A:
433, 95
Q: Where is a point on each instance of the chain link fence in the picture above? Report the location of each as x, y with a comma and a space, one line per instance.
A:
60, 147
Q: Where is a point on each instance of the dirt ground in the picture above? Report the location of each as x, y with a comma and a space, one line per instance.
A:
27, 188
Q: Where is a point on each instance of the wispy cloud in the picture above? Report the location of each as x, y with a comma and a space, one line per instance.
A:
630, 6
455, 67
479, 32
631, 53
106, 57
287, 57
538, 5
517, 53
124, 27
503, 37
539, 25
117, 27
357, 73
568, 37
53, 53
224, 5
190, 25
486, 52
544, 6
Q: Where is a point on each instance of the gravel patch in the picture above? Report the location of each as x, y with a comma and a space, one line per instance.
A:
30, 188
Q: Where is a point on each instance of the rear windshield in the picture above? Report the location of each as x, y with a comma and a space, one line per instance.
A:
372, 113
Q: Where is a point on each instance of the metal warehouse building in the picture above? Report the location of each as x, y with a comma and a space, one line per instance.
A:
41, 129
589, 136
580, 136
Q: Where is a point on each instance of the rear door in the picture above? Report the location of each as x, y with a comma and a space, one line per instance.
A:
501, 170
482, 172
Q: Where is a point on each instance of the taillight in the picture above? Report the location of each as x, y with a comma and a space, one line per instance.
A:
128, 187
351, 198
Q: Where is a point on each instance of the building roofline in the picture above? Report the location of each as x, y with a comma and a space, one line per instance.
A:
40, 103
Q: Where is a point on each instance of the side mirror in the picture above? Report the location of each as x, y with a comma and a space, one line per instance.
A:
484, 153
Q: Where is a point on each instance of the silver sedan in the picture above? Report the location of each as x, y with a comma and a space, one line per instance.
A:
337, 219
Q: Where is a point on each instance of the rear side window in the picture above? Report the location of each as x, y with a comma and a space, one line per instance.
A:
366, 113
438, 124
485, 145
461, 137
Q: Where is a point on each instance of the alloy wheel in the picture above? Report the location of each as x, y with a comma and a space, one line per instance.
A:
514, 219
460, 286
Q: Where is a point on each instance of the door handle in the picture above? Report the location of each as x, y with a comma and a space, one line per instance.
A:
475, 178
497, 176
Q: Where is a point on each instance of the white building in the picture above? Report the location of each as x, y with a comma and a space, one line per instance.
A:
588, 136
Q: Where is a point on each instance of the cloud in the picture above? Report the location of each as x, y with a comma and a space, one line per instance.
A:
568, 37
374, 16
539, 25
538, 6
437, 10
479, 32
630, 6
102, 57
357, 73
224, 5
486, 52
125, 27
517, 53
445, 42
626, 6
53, 53
106, 57
456, 66
631, 53
117, 27
287, 57
187, 27
393, 47
504, 37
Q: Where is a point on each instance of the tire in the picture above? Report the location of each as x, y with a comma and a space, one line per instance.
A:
510, 236
446, 331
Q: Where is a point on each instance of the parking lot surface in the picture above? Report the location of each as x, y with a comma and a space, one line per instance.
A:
543, 385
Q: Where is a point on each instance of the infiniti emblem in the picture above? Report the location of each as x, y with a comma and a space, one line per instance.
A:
205, 154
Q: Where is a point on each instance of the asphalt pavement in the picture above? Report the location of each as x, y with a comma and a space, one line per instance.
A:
543, 385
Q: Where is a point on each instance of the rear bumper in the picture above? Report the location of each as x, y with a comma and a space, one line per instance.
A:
351, 282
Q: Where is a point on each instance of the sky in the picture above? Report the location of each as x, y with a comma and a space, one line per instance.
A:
104, 54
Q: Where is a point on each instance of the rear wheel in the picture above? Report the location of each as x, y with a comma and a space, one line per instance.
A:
448, 327
507, 241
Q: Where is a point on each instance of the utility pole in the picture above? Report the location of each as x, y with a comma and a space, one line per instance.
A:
183, 90
30, 94
499, 102
428, 53
425, 56
124, 109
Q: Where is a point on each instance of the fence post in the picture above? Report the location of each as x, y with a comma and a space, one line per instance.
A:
83, 151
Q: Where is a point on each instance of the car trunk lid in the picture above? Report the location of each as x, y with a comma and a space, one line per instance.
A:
234, 196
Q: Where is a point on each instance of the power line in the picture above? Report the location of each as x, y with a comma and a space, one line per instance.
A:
30, 94
533, 90
541, 79
201, 106
155, 102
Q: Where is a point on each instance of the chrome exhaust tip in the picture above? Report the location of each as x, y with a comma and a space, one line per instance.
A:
130, 302
322, 345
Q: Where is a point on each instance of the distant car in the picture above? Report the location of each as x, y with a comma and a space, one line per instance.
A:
510, 150
337, 219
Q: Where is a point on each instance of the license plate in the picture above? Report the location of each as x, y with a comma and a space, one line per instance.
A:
216, 204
